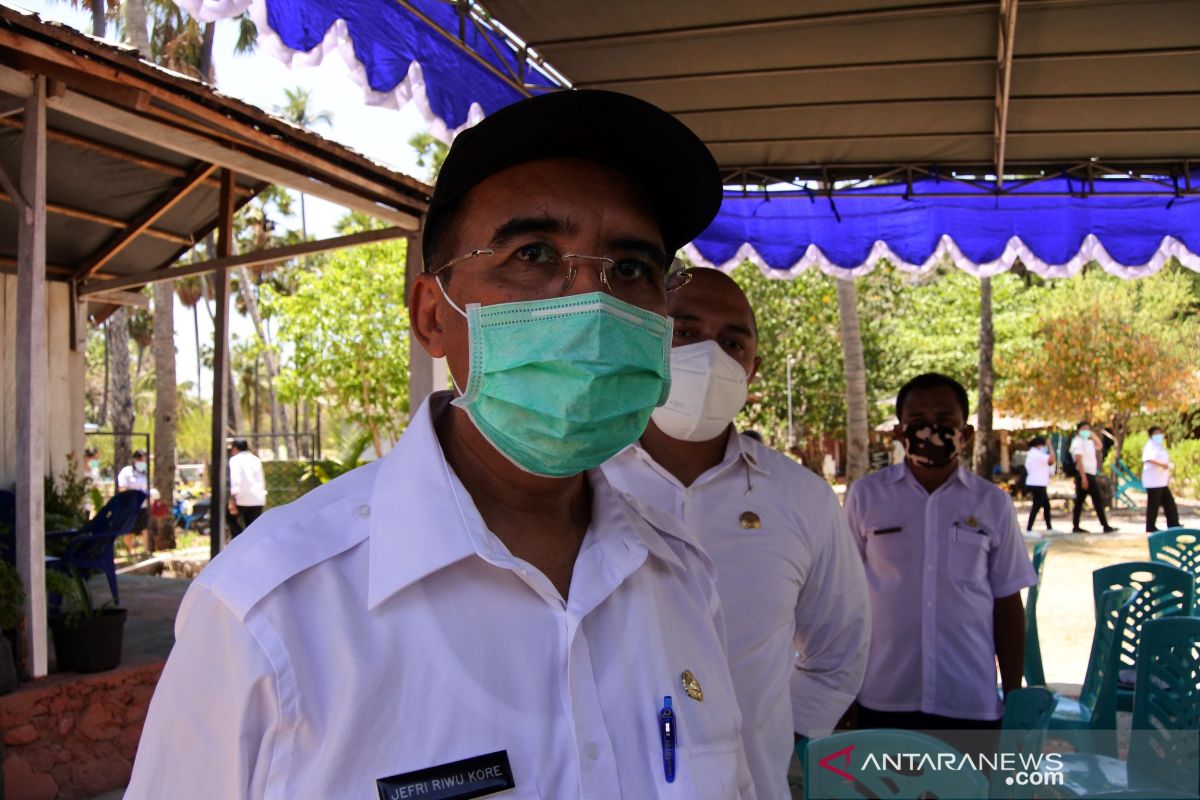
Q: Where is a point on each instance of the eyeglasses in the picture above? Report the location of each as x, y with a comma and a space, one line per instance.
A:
539, 271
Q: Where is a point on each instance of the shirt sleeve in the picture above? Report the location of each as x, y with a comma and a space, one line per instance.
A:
1148, 453
833, 631
854, 522
214, 719
235, 477
123, 479
1009, 567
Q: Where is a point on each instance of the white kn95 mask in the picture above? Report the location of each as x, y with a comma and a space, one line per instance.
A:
708, 389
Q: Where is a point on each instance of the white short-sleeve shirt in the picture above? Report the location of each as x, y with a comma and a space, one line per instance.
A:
1037, 467
790, 581
1154, 476
247, 484
935, 565
130, 479
376, 627
1087, 449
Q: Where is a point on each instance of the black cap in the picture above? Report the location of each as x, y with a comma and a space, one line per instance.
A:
659, 153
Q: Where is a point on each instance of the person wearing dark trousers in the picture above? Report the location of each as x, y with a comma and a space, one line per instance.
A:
1083, 451
1156, 474
1039, 464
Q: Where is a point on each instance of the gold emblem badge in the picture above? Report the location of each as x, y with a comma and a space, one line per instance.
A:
749, 520
972, 522
691, 685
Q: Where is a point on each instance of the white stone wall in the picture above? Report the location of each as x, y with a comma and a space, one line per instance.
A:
64, 381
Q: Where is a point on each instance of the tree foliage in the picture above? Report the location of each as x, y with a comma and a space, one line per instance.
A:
799, 318
1103, 348
345, 327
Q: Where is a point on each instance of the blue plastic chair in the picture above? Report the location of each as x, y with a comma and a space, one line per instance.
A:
1179, 547
1164, 756
1027, 713
1090, 722
90, 548
844, 754
1034, 672
1162, 591
1126, 482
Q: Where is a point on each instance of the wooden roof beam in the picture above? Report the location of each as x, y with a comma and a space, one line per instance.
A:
1004, 58
143, 222
259, 258
105, 220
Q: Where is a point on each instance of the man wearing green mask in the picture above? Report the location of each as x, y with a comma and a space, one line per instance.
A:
480, 610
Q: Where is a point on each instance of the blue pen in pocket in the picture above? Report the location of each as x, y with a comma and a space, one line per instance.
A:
667, 729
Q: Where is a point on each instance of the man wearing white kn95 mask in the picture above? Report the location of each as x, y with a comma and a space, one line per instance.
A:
788, 574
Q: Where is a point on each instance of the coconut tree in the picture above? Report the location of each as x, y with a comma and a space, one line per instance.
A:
120, 391
190, 290
855, 370
166, 403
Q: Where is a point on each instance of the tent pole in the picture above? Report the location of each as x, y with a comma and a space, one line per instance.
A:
218, 480
31, 377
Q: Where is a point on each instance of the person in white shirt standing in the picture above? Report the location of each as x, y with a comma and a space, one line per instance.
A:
945, 564
480, 612
247, 487
136, 475
1156, 474
788, 575
1039, 465
1086, 463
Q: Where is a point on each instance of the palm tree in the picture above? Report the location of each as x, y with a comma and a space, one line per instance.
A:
855, 371
985, 453
296, 111
190, 290
166, 410
120, 390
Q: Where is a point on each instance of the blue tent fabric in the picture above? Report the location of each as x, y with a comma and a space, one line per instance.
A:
395, 56
1129, 234
399, 58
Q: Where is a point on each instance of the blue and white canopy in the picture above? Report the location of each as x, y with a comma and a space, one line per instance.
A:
915, 227
1102, 108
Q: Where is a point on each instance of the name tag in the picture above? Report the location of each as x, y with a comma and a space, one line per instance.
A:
885, 531
458, 780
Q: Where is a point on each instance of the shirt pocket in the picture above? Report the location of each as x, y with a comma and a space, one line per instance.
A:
967, 561
702, 772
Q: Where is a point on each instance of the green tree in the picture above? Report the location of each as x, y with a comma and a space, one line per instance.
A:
346, 327
1105, 349
431, 153
799, 319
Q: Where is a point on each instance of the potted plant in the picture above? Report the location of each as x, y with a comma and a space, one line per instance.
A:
86, 638
12, 602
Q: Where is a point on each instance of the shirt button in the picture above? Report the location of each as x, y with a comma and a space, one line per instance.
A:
363, 511
591, 751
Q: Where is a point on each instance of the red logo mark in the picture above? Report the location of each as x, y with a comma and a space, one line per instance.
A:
843, 754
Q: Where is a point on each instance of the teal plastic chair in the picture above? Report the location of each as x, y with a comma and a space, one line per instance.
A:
1162, 591
1179, 547
1027, 713
1034, 673
835, 768
1126, 482
1164, 756
1090, 722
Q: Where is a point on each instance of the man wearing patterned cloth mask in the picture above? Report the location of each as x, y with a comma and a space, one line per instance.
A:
945, 563
480, 611
790, 579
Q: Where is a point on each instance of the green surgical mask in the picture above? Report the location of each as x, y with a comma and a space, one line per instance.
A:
1085, 434
559, 386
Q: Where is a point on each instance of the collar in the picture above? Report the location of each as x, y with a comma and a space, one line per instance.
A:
738, 449
441, 525
422, 518
900, 472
